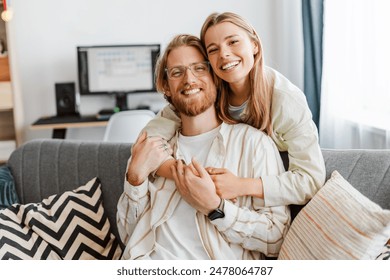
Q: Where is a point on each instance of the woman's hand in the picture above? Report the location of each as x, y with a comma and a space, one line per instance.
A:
227, 185
148, 154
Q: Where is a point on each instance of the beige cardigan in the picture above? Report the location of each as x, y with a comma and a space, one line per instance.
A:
293, 131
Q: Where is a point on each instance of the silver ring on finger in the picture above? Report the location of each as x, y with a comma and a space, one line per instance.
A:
164, 147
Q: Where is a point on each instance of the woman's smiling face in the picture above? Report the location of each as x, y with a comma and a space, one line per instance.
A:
230, 51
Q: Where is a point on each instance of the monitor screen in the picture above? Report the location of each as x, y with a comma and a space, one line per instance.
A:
117, 69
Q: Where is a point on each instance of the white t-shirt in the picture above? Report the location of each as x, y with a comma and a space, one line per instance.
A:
197, 146
173, 236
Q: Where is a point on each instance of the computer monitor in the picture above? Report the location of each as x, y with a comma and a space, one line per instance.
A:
117, 70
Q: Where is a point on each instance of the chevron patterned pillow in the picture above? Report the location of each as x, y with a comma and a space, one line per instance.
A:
71, 226
385, 254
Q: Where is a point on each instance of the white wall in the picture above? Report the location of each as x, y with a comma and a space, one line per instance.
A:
43, 36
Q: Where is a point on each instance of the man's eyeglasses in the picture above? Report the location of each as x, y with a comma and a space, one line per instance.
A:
198, 69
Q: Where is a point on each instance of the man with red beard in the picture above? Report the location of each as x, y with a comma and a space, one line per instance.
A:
185, 218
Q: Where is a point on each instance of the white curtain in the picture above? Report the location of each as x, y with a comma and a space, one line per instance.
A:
355, 100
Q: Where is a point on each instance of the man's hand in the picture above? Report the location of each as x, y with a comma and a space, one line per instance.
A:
147, 155
195, 186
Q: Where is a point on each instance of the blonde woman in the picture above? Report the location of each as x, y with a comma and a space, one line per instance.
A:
252, 93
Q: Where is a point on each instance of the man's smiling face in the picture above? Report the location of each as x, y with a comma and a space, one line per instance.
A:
190, 94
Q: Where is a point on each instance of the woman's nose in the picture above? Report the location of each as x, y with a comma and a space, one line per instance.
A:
224, 51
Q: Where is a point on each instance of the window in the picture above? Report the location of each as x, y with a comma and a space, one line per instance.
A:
356, 74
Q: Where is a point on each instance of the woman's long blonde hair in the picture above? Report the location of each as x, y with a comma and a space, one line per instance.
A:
260, 99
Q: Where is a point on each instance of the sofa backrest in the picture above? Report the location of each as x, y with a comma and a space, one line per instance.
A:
367, 170
48, 166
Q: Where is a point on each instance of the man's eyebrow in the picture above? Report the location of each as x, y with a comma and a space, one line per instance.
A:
226, 38
192, 63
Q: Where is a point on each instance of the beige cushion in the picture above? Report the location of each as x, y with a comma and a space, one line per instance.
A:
338, 223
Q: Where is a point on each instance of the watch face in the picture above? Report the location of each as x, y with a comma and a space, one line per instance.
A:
216, 214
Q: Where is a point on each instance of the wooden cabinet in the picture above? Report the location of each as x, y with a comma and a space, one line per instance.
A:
8, 118
7, 124
4, 69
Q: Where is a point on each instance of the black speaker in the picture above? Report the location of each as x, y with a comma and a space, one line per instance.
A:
66, 99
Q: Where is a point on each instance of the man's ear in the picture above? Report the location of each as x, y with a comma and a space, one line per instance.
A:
167, 91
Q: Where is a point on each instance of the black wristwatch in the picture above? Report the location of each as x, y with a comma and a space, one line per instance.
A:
217, 213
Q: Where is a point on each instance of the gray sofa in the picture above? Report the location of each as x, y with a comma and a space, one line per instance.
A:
48, 166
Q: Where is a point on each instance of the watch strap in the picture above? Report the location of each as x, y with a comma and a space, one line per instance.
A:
217, 213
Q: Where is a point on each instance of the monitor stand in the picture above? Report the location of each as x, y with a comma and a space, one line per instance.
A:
120, 105
121, 102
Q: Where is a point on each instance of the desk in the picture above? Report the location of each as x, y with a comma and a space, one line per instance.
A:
60, 124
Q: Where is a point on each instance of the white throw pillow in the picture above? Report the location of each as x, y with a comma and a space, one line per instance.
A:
338, 223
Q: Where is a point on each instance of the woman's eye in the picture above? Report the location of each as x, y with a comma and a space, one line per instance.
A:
233, 42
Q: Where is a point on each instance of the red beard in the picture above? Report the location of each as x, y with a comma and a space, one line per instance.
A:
193, 106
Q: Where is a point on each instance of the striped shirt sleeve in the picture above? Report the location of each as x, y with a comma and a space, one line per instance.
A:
254, 226
131, 204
